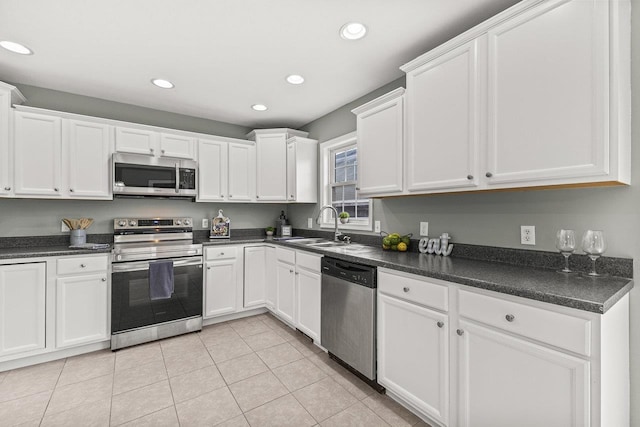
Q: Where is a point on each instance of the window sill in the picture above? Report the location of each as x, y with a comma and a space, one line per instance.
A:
347, 226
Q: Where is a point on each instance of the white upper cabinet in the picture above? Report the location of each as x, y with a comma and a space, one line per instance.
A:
536, 96
548, 95
151, 143
89, 160
136, 141
212, 170
37, 155
271, 162
242, 171
8, 96
443, 109
381, 130
302, 170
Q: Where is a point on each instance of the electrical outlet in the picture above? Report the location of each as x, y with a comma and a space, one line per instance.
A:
424, 229
63, 227
309, 222
205, 222
528, 234
376, 226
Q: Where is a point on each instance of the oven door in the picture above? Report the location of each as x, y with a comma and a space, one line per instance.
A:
131, 305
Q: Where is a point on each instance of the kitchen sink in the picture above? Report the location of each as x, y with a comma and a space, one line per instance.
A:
330, 245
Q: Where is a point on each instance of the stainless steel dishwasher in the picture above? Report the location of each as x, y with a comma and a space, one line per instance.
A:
348, 308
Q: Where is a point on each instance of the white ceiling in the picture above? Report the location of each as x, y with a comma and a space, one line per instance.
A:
225, 55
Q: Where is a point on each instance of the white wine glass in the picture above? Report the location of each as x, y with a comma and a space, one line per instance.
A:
593, 245
566, 244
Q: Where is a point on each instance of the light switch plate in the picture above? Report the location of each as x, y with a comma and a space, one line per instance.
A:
63, 227
528, 235
376, 226
309, 222
205, 222
424, 229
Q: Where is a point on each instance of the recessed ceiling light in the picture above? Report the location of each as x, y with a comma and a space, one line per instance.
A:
164, 84
295, 79
16, 47
353, 31
259, 107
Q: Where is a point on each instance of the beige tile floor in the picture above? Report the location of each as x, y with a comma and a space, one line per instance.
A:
249, 372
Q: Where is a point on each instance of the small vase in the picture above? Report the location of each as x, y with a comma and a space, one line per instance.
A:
344, 220
269, 233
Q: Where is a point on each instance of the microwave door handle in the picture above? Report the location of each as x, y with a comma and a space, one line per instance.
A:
177, 178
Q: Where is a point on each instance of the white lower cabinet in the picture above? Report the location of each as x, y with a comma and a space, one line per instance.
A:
82, 308
285, 292
271, 291
308, 289
255, 268
22, 308
507, 381
223, 280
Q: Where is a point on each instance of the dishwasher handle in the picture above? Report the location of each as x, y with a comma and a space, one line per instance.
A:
351, 272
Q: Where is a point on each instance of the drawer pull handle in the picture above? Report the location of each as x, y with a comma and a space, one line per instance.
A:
460, 332
104, 279
510, 317
290, 271
208, 268
440, 324
470, 177
7, 188
406, 289
83, 265
221, 253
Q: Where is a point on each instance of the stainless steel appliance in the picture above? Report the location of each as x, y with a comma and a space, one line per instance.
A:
135, 317
137, 175
348, 313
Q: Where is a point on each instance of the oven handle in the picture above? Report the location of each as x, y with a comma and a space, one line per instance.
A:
177, 177
144, 265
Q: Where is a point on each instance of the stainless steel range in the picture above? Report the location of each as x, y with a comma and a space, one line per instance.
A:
149, 253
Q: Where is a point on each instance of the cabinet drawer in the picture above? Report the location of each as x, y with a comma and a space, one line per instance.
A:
414, 288
286, 255
308, 261
75, 265
224, 252
557, 329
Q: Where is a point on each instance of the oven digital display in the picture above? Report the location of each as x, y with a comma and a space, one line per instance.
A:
154, 222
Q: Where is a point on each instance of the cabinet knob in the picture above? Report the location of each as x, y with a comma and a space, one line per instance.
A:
71, 190
358, 188
257, 197
230, 195
291, 196
56, 189
162, 151
510, 317
83, 265
440, 324
406, 289
460, 332
221, 253
151, 150
488, 174
7, 188
222, 195
470, 177
208, 268
290, 271
104, 279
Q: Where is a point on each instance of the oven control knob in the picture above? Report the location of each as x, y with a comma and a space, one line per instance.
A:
122, 223
132, 223
178, 222
119, 257
186, 222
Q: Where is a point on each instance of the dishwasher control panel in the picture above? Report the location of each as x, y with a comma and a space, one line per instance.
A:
359, 274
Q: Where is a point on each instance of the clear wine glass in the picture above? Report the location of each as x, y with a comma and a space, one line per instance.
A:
593, 245
566, 244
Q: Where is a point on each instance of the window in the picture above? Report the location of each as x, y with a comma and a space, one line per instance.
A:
339, 159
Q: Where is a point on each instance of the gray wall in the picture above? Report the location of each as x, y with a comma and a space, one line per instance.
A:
494, 218
42, 217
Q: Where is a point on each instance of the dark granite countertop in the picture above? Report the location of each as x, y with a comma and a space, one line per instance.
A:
47, 251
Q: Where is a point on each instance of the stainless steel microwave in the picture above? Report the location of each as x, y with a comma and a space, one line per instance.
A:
136, 175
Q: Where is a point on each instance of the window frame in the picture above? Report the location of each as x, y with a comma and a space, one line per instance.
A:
327, 150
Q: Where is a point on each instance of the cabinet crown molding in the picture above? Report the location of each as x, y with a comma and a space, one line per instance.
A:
289, 133
16, 96
394, 94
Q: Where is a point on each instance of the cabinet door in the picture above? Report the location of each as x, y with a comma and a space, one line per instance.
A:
38, 155
22, 308
255, 269
89, 167
413, 355
220, 295
271, 158
291, 172
505, 381
308, 287
548, 94
285, 299
443, 113
380, 148
242, 172
82, 314
212, 170
271, 277
5, 162
136, 141
177, 146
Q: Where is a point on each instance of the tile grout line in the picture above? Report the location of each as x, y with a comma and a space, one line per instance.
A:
53, 391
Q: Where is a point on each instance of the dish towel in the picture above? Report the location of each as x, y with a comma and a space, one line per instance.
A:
161, 284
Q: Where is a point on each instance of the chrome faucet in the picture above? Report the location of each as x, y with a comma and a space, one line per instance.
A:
336, 233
